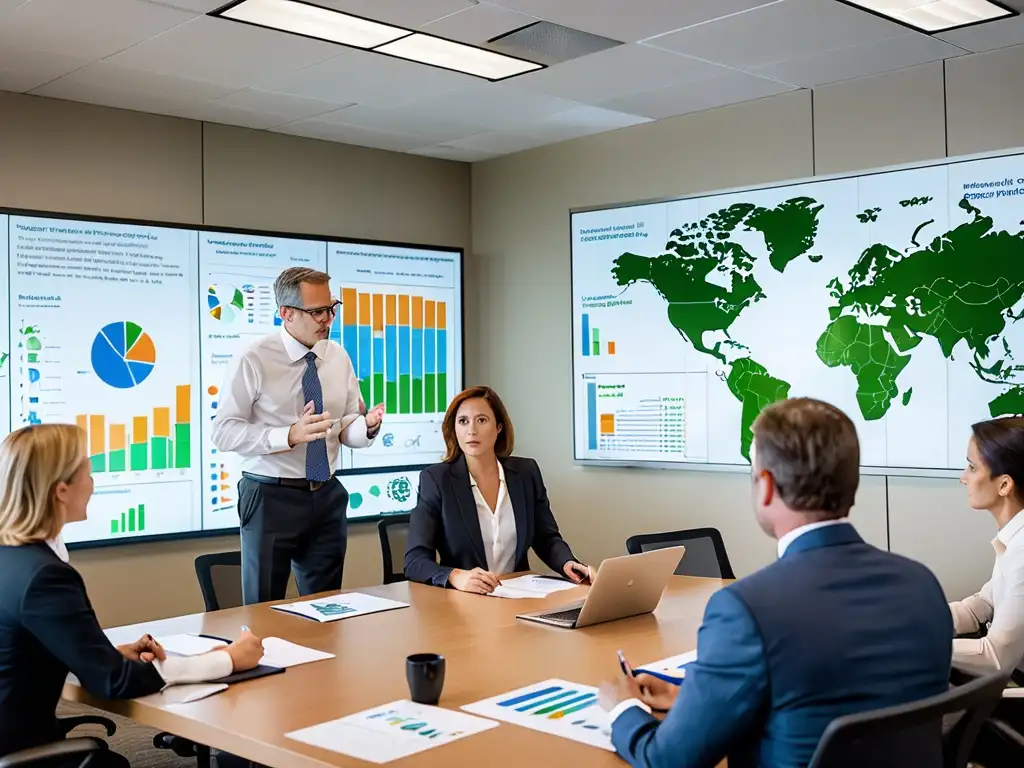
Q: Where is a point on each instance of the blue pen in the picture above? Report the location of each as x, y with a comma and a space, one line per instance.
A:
245, 628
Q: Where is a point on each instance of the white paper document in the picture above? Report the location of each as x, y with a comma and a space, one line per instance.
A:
392, 731
531, 586
184, 694
281, 653
340, 606
189, 645
557, 707
673, 666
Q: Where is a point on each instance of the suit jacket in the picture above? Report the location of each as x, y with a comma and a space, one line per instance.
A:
48, 628
445, 522
834, 627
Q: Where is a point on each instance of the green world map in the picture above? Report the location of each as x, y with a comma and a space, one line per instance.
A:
954, 286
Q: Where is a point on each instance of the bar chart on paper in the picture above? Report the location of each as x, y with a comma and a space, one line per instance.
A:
556, 706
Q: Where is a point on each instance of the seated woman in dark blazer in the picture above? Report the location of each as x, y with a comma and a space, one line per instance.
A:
482, 508
47, 625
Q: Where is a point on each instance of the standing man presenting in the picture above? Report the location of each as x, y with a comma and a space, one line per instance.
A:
287, 403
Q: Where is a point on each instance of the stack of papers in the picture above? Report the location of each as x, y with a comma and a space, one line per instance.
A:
531, 587
340, 607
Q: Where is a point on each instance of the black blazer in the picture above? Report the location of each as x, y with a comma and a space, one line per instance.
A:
445, 522
48, 628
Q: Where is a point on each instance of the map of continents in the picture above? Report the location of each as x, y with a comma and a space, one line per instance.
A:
959, 286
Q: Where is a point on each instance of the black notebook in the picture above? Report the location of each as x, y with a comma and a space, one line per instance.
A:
250, 674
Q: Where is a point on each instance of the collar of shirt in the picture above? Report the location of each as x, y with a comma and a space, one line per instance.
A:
1002, 540
796, 533
57, 545
296, 350
501, 477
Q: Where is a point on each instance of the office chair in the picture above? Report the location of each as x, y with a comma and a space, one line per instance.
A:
220, 579
393, 532
912, 734
705, 551
68, 753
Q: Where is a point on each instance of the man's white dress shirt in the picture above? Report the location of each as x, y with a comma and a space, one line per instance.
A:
262, 398
1001, 602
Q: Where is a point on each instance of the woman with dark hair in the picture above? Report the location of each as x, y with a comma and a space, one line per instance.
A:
482, 508
995, 482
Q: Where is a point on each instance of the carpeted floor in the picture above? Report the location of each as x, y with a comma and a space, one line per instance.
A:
132, 740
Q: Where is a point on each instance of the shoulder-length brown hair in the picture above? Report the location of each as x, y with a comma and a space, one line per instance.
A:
506, 436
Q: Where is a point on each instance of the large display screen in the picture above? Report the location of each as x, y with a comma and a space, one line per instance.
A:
894, 295
126, 329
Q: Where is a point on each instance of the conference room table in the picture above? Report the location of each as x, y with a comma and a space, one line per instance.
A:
487, 650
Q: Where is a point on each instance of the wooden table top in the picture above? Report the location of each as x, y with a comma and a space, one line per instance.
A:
488, 652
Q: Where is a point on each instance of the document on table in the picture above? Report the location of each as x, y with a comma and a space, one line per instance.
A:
177, 645
392, 731
340, 606
673, 668
531, 586
184, 694
281, 653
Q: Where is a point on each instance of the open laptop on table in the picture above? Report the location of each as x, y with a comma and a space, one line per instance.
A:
624, 586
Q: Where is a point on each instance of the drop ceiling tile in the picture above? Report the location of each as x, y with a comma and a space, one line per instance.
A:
406, 13
863, 60
614, 73
436, 126
782, 31
317, 128
583, 121
197, 6
88, 30
698, 95
633, 20
295, 107
368, 78
497, 142
158, 104
478, 24
10, 5
988, 37
22, 69
445, 152
112, 77
218, 112
221, 51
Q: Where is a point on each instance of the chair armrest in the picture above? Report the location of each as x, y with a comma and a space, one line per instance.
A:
67, 724
68, 748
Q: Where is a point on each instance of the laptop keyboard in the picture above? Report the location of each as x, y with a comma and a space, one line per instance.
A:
570, 615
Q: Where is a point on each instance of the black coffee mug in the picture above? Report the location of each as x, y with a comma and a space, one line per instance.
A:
425, 673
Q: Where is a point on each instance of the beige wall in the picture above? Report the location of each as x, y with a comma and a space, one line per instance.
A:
75, 158
521, 249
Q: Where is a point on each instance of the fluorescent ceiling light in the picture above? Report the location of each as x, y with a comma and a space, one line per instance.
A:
936, 15
427, 49
313, 21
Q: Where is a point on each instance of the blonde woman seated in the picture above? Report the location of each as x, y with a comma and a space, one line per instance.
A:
47, 624
482, 508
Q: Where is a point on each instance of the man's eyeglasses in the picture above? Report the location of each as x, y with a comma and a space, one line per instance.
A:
319, 313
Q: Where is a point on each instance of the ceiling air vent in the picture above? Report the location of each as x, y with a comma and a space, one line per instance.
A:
549, 43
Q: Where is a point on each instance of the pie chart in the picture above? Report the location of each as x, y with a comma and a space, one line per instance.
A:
225, 302
123, 355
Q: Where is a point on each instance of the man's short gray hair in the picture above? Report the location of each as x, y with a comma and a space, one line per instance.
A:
286, 287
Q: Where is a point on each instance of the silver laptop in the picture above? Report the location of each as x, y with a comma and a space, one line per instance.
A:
624, 586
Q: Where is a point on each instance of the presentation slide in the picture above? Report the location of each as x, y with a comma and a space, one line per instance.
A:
893, 295
126, 329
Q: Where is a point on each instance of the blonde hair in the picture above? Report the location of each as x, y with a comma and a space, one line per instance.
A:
33, 460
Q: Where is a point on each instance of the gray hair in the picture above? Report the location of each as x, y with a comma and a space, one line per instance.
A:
286, 287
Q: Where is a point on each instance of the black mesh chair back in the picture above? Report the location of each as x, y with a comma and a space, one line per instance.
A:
394, 533
912, 734
705, 551
220, 579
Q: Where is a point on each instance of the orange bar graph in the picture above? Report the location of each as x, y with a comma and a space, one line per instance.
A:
611, 347
97, 435
183, 404
378, 312
161, 422
403, 310
389, 309
140, 430
117, 442
364, 309
417, 311
607, 423
429, 311
83, 424
348, 306
442, 315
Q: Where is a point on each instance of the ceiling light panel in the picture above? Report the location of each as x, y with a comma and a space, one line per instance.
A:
313, 21
935, 15
448, 54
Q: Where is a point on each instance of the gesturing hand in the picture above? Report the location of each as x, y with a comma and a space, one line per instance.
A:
478, 581
310, 426
374, 417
